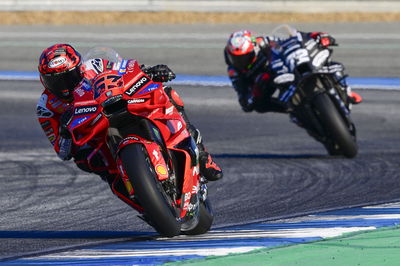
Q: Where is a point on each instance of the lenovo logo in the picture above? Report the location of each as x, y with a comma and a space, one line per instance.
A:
138, 85
85, 110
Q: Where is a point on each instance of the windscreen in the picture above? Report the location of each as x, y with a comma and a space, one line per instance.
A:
103, 53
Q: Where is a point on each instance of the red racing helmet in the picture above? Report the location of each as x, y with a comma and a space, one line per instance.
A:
240, 49
60, 69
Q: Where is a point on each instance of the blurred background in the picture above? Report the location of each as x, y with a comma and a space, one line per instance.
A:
272, 167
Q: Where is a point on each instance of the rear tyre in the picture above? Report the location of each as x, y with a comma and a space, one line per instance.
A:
206, 218
335, 127
148, 190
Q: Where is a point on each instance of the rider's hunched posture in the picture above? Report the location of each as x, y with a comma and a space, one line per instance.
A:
61, 71
253, 65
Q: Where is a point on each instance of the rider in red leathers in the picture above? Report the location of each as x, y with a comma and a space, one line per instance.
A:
252, 67
61, 71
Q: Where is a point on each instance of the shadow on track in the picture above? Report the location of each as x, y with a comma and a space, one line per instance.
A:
73, 234
272, 156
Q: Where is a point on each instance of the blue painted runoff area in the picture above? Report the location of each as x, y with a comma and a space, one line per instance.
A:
156, 251
196, 80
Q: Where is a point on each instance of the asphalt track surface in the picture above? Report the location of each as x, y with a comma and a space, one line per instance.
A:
272, 167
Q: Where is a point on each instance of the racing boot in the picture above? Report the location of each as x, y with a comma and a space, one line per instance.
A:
355, 98
208, 168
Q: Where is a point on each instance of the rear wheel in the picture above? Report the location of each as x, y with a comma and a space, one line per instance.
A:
335, 127
149, 192
206, 218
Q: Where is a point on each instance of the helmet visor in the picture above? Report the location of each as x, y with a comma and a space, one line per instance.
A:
242, 62
61, 84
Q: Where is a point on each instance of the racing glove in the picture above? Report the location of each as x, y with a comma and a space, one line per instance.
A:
160, 73
323, 38
65, 140
246, 102
65, 146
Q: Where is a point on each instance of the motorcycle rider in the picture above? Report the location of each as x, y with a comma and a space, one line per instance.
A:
61, 71
253, 65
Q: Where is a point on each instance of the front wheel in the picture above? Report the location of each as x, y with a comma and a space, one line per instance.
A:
206, 218
335, 127
148, 190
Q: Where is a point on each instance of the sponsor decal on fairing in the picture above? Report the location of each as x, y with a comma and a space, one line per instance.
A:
320, 58
122, 68
186, 201
96, 119
133, 101
284, 78
45, 124
310, 44
161, 170
79, 121
128, 139
97, 65
149, 88
155, 153
169, 110
109, 65
131, 65
132, 137
137, 86
196, 170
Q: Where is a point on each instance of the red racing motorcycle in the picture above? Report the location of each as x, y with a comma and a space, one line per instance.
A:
145, 146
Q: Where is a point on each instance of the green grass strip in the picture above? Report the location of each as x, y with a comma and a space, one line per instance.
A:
377, 247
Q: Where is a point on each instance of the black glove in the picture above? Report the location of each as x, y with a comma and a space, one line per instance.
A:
160, 73
246, 103
65, 140
65, 119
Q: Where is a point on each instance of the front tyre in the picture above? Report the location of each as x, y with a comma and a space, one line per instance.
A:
335, 127
206, 218
149, 192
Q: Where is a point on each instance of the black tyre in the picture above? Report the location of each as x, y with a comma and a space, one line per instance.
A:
206, 218
148, 190
335, 126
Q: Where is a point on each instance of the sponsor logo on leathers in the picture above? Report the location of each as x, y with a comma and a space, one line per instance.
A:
85, 110
56, 62
45, 124
149, 88
42, 111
